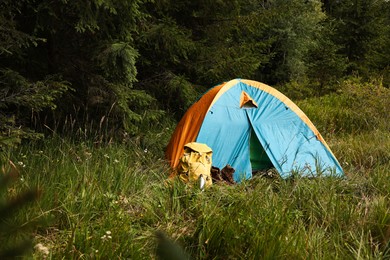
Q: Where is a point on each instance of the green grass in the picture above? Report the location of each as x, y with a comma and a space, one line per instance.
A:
88, 191
108, 201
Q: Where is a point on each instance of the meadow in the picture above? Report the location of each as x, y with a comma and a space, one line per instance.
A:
108, 200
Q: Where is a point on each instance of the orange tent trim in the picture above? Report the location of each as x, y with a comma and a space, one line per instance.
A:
188, 127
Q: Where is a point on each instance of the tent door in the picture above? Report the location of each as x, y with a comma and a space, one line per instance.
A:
258, 157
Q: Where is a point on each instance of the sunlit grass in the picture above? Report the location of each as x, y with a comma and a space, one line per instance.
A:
108, 202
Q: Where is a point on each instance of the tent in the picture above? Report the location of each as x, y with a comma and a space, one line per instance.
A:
252, 126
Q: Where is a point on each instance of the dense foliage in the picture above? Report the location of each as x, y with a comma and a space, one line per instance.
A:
118, 64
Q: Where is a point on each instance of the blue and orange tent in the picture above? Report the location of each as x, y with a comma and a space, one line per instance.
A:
252, 126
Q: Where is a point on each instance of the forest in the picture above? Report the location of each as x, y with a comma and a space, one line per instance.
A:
91, 91
124, 65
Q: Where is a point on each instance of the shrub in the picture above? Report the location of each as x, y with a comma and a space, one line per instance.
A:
359, 106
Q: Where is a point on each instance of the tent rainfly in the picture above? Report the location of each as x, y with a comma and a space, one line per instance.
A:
252, 126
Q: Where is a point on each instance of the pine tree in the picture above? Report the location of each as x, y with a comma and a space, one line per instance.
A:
20, 91
83, 49
363, 34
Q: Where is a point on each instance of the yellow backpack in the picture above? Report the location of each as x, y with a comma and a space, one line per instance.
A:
195, 164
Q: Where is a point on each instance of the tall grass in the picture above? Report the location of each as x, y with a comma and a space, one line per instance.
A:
106, 201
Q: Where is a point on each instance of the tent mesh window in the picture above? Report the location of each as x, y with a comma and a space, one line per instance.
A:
258, 156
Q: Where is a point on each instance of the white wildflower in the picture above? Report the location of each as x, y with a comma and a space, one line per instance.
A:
42, 250
21, 164
106, 236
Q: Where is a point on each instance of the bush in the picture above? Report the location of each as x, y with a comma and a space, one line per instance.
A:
358, 106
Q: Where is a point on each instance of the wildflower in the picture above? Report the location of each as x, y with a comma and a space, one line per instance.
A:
42, 250
22, 164
146, 150
106, 236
